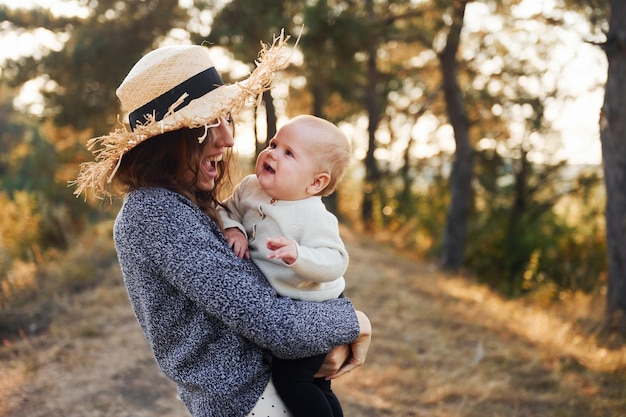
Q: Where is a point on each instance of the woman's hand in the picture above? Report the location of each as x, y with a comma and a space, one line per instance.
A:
333, 362
345, 358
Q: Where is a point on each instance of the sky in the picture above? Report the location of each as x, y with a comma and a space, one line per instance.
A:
577, 118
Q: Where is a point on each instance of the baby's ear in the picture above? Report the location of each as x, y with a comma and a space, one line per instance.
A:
320, 181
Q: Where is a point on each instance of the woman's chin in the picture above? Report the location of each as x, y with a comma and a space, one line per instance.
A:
207, 184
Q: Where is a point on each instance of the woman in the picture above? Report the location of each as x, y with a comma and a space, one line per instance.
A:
212, 320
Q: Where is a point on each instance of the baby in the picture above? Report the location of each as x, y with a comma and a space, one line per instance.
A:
277, 218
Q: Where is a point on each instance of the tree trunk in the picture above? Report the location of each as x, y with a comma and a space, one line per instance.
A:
613, 138
318, 89
270, 119
515, 256
461, 176
372, 173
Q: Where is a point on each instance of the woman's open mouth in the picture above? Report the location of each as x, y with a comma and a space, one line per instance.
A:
210, 164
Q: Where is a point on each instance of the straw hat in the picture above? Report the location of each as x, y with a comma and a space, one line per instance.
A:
171, 88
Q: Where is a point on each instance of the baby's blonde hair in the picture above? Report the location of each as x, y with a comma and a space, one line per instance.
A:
334, 153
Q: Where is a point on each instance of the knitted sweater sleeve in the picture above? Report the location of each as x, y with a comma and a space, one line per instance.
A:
178, 243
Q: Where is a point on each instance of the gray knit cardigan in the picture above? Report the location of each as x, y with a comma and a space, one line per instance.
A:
212, 320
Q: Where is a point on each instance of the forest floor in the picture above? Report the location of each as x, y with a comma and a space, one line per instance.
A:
442, 347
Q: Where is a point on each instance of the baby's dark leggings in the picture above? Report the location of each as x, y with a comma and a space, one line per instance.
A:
304, 395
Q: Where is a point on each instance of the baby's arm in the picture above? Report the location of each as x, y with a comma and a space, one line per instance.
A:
312, 249
322, 255
316, 263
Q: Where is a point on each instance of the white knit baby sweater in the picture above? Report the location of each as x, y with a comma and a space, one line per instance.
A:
317, 274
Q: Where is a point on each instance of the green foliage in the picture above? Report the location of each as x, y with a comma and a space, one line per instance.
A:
19, 225
413, 216
556, 240
331, 36
32, 291
84, 74
241, 24
32, 164
510, 257
41, 219
555, 243
86, 264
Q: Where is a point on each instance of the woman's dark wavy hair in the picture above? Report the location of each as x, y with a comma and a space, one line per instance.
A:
160, 162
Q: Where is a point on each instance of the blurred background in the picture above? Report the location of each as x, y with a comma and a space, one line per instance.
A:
475, 130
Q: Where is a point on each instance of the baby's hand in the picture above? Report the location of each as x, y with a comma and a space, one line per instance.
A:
238, 242
282, 248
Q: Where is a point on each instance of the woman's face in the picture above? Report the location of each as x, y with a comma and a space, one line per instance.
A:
221, 137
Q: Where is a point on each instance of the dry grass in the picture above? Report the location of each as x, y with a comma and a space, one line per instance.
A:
443, 347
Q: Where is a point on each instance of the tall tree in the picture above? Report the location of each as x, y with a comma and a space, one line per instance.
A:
100, 50
461, 177
332, 38
239, 26
437, 26
373, 105
613, 139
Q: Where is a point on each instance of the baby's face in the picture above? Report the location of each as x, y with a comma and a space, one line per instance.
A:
288, 166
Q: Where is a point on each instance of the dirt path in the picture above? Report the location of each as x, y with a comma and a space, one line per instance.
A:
442, 348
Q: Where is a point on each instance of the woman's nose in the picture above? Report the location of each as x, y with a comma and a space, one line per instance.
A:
223, 135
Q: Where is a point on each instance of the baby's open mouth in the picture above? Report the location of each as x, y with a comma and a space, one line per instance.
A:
269, 169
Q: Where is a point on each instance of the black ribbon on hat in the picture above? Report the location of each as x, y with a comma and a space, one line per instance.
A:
195, 87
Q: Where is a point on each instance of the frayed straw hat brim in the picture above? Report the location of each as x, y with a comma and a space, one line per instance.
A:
94, 177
